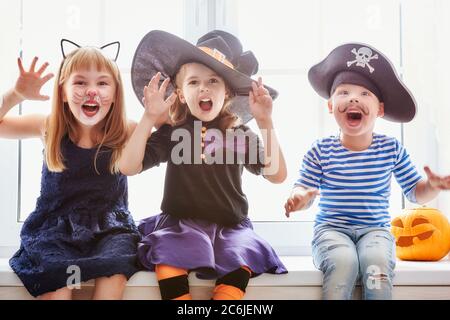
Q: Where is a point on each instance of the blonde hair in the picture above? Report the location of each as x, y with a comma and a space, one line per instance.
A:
179, 111
61, 121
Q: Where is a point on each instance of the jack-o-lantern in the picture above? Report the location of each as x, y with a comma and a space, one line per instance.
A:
421, 234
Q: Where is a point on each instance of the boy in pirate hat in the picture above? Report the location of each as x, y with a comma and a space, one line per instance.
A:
204, 225
353, 172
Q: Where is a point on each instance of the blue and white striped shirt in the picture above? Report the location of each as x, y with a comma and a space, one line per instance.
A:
355, 185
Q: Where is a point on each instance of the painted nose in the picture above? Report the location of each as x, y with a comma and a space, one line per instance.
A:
91, 93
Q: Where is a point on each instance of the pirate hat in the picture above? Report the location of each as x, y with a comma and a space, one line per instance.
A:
163, 52
361, 64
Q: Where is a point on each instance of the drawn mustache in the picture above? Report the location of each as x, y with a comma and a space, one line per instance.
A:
90, 99
363, 108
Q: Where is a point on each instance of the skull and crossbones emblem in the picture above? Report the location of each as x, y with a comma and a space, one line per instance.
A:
362, 58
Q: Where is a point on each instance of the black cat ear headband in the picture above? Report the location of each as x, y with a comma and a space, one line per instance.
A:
111, 49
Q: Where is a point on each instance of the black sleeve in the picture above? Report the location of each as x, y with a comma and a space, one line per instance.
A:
157, 147
254, 158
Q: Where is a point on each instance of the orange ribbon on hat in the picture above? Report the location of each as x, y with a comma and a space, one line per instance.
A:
219, 56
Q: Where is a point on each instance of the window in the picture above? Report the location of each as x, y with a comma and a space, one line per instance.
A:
295, 39
287, 37
90, 23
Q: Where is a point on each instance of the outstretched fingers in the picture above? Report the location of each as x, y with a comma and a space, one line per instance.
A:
42, 68
20, 65
33, 64
154, 83
164, 85
47, 77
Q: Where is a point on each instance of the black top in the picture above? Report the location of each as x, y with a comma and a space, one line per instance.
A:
203, 176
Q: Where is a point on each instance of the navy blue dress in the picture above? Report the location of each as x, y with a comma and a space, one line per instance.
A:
82, 220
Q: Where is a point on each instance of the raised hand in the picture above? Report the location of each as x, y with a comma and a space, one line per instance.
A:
436, 181
29, 83
299, 199
156, 107
260, 101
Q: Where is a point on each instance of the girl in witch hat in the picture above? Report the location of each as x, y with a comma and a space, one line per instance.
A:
204, 227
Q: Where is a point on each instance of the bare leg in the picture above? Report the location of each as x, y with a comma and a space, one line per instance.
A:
60, 294
110, 288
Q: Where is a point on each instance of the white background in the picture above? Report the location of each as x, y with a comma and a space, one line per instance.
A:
286, 36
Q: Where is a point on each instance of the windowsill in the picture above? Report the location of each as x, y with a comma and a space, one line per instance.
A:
301, 273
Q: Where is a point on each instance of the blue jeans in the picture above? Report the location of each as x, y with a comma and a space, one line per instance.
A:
345, 255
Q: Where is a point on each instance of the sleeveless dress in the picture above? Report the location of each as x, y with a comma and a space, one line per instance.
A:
81, 228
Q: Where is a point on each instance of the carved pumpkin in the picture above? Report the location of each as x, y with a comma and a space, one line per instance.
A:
421, 234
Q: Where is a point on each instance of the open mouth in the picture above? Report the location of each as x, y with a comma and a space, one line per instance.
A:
90, 109
408, 241
205, 104
354, 117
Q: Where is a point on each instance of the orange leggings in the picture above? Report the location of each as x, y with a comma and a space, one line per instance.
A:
164, 272
221, 291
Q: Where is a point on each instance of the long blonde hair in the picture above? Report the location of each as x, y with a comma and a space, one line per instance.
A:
61, 121
179, 111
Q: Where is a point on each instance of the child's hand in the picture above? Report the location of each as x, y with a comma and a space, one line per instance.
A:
299, 199
437, 182
29, 83
155, 106
260, 101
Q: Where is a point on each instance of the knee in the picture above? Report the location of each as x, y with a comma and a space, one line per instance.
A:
374, 280
232, 286
173, 282
165, 271
341, 258
377, 263
120, 279
377, 271
60, 294
377, 256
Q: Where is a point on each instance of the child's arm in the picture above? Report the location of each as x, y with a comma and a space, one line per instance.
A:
427, 190
28, 86
261, 108
130, 162
131, 127
301, 198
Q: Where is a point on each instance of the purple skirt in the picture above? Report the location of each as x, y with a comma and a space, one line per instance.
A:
205, 247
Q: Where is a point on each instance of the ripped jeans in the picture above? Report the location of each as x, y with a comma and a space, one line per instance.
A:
345, 255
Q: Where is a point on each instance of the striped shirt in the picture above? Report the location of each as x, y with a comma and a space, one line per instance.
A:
355, 185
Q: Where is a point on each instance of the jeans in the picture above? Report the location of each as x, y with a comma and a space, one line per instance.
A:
346, 255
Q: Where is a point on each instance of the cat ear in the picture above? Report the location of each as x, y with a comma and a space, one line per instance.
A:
68, 46
111, 50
